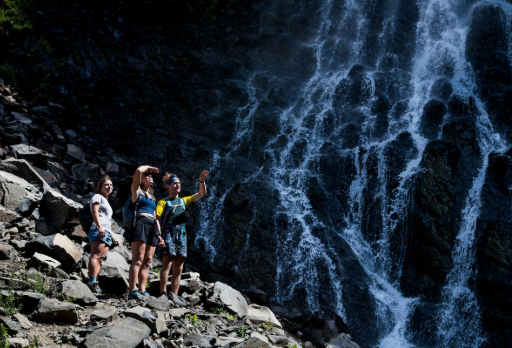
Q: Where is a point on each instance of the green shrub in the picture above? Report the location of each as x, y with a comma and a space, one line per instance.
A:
12, 302
15, 12
34, 343
222, 311
267, 326
8, 74
192, 319
242, 331
4, 337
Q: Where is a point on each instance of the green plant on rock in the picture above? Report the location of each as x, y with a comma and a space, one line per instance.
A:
34, 343
267, 326
289, 345
12, 302
242, 330
38, 283
192, 319
222, 311
8, 74
65, 297
4, 337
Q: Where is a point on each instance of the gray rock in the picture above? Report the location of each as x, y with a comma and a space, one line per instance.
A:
19, 244
18, 342
60, 172
149, 344
279, 341
60, 211
198, 340
261, 337
159, 303
16, 284
342, 341
232, 300
23, 118
285, 313
222, 341
156, 324
23, 320
48, 177
17, 194
23, 169
41, 110
59, 247
253, 342
44, 261
6, 252
77, 234
87, 171
31, 154
8, 216
192, 299
74, 154
29, 300
58, 273
177, 313
125, 333
259, 314
114, 273
71, 134
55, 310
12, 326
80, 292
109, 315
179, 301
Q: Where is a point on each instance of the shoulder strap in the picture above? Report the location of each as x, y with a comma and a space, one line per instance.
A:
136, 206
183, 203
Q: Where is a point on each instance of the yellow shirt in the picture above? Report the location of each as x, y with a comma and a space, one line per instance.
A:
160, 207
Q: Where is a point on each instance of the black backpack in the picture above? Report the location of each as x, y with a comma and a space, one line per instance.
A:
86, 217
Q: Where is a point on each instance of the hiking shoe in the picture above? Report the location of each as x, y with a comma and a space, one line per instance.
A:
134, 295
144, 294
163, 293
95, 287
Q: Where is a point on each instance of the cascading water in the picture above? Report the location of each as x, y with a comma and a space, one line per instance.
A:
364, 104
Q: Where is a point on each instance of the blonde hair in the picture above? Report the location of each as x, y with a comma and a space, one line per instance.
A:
102, 181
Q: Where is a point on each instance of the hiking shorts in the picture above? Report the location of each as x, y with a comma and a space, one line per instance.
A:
175, 242
94, 235
144, 231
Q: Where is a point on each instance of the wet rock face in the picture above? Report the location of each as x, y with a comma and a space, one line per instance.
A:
494, 242
487, 51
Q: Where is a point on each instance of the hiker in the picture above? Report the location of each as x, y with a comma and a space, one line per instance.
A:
145, 234
99, 233
172, 213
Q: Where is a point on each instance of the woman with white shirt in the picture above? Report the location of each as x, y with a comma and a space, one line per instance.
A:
99, 234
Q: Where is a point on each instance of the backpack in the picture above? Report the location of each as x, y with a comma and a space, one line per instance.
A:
173, 206
129, 214
86, 217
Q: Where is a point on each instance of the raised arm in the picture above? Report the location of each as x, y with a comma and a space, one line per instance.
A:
137, 179
202, 186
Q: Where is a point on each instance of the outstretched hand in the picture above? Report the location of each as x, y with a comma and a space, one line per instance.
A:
152, 170
203, 175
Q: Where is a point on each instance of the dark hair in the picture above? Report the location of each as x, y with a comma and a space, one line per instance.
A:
166, 177
102, 181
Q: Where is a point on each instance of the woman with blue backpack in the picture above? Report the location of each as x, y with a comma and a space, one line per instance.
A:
99, 233
145, 233
172, 213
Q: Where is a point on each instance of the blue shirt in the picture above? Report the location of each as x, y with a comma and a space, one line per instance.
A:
146, 205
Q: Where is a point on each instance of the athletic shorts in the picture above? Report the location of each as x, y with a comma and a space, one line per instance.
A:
175, 242
94, 235
144, 231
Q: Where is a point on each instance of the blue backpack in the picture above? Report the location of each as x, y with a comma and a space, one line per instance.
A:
129, 213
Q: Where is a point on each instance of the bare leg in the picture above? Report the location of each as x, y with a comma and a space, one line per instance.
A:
164, 272
98, 252
138, 251
144, 268
176, 273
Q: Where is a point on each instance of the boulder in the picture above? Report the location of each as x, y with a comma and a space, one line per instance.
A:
31, 154
50, 179
342, 341
44, 261
15, 284
60, 172
74, 154
6, 252
259, 314
29, 300
59, 247
8, 216
60, 211
18, 194
76, 233
109, 315
222, 341
158, 303
55, 310
177, 313
87, 171
253, 342
25, 323
18, 342
23, 169
41, 110
192, 299
264, 338
58, 273
80, 292
126, 333
114, 273
12, 326
231, 299
178, 300
156, 324
19, 245
45, 227
198, 340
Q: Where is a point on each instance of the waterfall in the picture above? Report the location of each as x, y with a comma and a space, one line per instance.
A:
337, 111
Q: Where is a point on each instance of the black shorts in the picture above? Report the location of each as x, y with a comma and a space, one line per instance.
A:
144, 231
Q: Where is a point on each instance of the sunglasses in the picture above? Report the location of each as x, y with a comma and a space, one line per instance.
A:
147, 174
